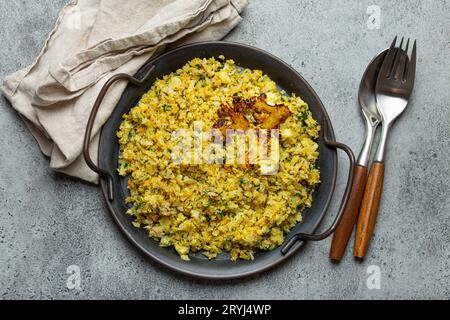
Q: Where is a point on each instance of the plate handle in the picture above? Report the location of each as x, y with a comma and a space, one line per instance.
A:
146, 72
330, 142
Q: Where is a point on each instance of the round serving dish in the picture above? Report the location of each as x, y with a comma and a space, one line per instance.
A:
115, 187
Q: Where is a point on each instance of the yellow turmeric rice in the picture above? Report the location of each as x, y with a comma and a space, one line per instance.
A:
211, 208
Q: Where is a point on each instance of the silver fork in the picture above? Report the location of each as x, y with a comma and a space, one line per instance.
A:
393, 91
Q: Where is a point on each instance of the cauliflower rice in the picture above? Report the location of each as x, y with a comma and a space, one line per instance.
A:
212, 208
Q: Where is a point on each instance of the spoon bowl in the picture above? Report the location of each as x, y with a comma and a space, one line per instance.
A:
368, 104
366, 93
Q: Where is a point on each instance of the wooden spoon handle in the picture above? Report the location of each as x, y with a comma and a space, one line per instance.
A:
348, 220
369, 209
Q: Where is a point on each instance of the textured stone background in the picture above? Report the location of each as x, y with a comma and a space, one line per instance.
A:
49, 222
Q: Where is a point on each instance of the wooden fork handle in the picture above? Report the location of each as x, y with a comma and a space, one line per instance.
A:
369, 209
350, 215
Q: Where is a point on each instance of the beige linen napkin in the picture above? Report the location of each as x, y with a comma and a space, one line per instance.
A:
92, 41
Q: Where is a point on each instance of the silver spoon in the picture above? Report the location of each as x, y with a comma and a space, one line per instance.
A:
367, 102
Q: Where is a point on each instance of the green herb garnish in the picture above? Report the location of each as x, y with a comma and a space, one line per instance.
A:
302, 117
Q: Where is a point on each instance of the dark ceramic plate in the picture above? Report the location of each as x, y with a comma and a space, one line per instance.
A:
115, 190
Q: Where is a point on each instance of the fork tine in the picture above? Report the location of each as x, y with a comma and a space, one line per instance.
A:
411, 72
400, 69
387, 63
398, 54
407, 46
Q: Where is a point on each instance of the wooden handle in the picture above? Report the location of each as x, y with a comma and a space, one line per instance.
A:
348, 220
369, 209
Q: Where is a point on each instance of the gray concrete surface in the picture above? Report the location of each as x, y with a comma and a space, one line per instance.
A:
49, 222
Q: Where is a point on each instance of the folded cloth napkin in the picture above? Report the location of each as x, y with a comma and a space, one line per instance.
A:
92, 41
